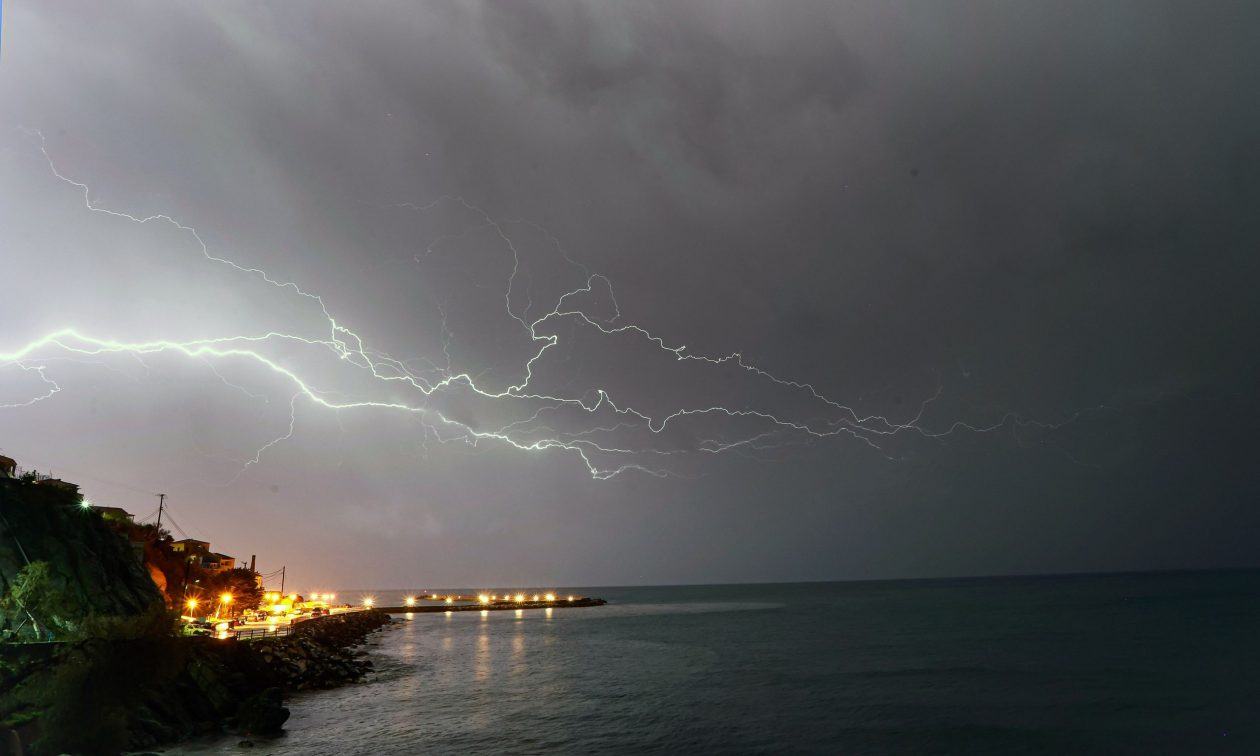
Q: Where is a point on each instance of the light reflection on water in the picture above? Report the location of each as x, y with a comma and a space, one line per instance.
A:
483, 655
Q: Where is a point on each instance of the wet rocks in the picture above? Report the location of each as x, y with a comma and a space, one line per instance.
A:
318, 654
262, 713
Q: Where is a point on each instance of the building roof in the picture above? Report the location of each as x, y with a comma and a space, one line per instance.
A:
192, 540
213, 557
116, 511
58, 483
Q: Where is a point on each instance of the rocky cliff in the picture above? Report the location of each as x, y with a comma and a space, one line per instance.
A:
91, 571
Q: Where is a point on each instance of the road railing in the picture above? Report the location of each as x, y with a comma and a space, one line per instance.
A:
251, 633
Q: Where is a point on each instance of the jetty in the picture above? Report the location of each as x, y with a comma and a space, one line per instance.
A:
473, 603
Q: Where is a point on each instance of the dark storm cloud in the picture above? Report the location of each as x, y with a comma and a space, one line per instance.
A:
1040, 209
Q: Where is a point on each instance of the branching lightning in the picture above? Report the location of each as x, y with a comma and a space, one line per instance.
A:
612, 436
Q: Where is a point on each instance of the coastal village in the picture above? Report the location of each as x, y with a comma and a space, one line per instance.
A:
211, 590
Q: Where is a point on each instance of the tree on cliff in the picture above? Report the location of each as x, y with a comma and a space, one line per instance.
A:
240, 583
34, 594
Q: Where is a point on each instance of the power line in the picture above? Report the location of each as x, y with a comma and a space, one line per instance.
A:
175, 525
185, 516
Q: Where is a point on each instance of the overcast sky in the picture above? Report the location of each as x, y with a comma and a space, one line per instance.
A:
990, 269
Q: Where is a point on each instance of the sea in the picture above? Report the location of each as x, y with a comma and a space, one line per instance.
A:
1109, 664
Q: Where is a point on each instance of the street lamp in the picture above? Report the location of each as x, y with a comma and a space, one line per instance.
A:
192, 604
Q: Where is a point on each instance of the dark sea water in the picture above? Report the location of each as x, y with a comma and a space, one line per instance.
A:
1141, 664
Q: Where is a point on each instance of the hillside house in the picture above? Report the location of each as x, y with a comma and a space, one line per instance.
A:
218, 562
115, 514
191, 546
60, 485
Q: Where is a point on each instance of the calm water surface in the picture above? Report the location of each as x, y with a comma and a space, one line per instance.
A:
1101, 664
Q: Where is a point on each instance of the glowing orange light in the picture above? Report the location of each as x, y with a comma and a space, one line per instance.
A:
410, 601
551, 597
483, 598
226, 598
192, 603
520, 597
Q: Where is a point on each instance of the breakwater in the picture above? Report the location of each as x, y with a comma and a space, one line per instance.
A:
495, 606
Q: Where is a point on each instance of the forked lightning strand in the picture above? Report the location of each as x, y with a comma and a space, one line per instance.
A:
643, 446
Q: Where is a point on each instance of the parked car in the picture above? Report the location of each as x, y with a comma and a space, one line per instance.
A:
197, 627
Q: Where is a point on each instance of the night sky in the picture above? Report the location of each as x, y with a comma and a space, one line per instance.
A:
989, 270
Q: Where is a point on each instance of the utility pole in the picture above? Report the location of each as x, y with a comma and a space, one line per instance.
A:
161, 506
281, 579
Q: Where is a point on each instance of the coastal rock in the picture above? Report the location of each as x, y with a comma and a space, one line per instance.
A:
262, 714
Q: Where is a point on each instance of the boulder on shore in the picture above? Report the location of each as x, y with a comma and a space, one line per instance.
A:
263, 713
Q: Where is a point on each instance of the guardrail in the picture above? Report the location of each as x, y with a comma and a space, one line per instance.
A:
262, 632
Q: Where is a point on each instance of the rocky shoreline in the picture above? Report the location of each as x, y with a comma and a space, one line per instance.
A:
110, 696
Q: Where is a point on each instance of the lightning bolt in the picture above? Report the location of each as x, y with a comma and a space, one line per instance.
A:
642, 446
53, 388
